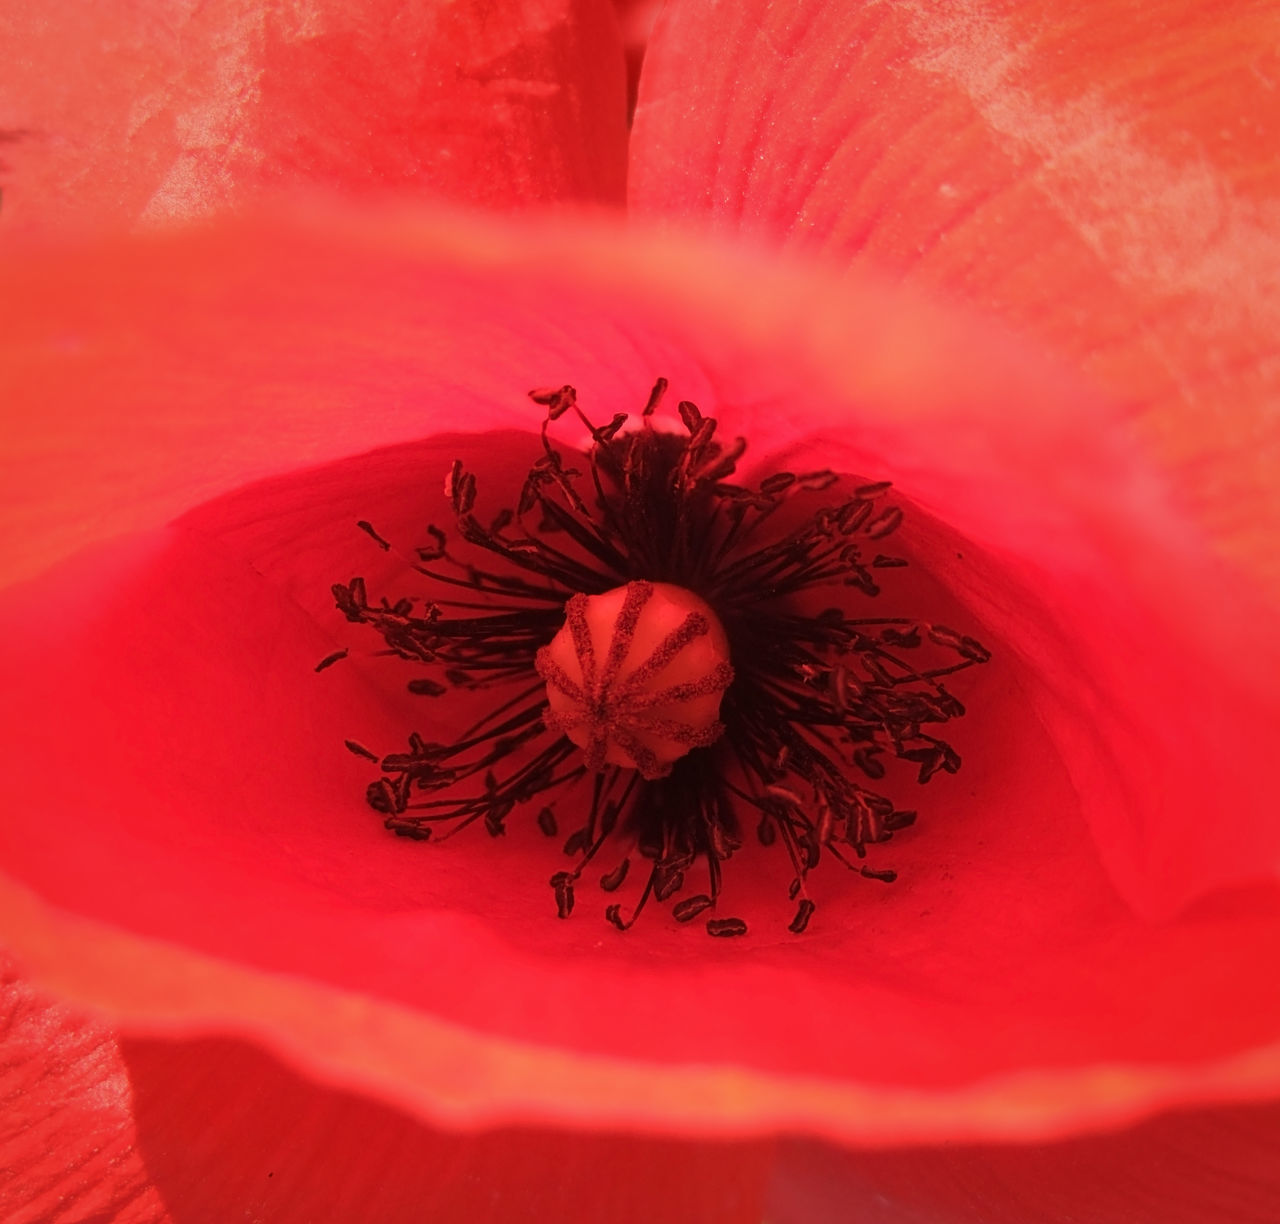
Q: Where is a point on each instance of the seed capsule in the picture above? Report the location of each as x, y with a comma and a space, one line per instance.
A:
635, 676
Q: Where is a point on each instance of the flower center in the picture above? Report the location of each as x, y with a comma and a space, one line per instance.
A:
623, 575
635, 676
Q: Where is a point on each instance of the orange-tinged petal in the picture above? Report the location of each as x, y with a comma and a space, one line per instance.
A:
149, 112
1102, 177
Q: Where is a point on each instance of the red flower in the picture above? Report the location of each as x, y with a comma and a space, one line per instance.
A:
1076, 937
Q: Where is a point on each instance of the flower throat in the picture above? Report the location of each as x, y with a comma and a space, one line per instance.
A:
749, 709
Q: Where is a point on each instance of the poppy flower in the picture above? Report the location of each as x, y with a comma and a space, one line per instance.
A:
1074, 935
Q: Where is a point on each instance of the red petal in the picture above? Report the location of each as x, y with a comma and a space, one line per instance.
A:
228, 1133
1101, 176
67, 1135
177, 771
143, 112
1217, 1166
144, 1131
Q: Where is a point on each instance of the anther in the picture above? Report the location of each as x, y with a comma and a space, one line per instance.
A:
726, 927
330, 659
635, 676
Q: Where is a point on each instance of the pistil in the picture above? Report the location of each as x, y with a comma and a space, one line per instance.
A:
635, 676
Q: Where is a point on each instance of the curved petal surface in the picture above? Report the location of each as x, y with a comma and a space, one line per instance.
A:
68, 1144
1214, 1166
210, 862
152, 1131
1103, 178
227, 1130
153, 112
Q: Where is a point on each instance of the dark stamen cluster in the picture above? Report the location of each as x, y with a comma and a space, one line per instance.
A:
819, 699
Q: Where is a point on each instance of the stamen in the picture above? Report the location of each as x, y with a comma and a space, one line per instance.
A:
723, 927
648, 630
